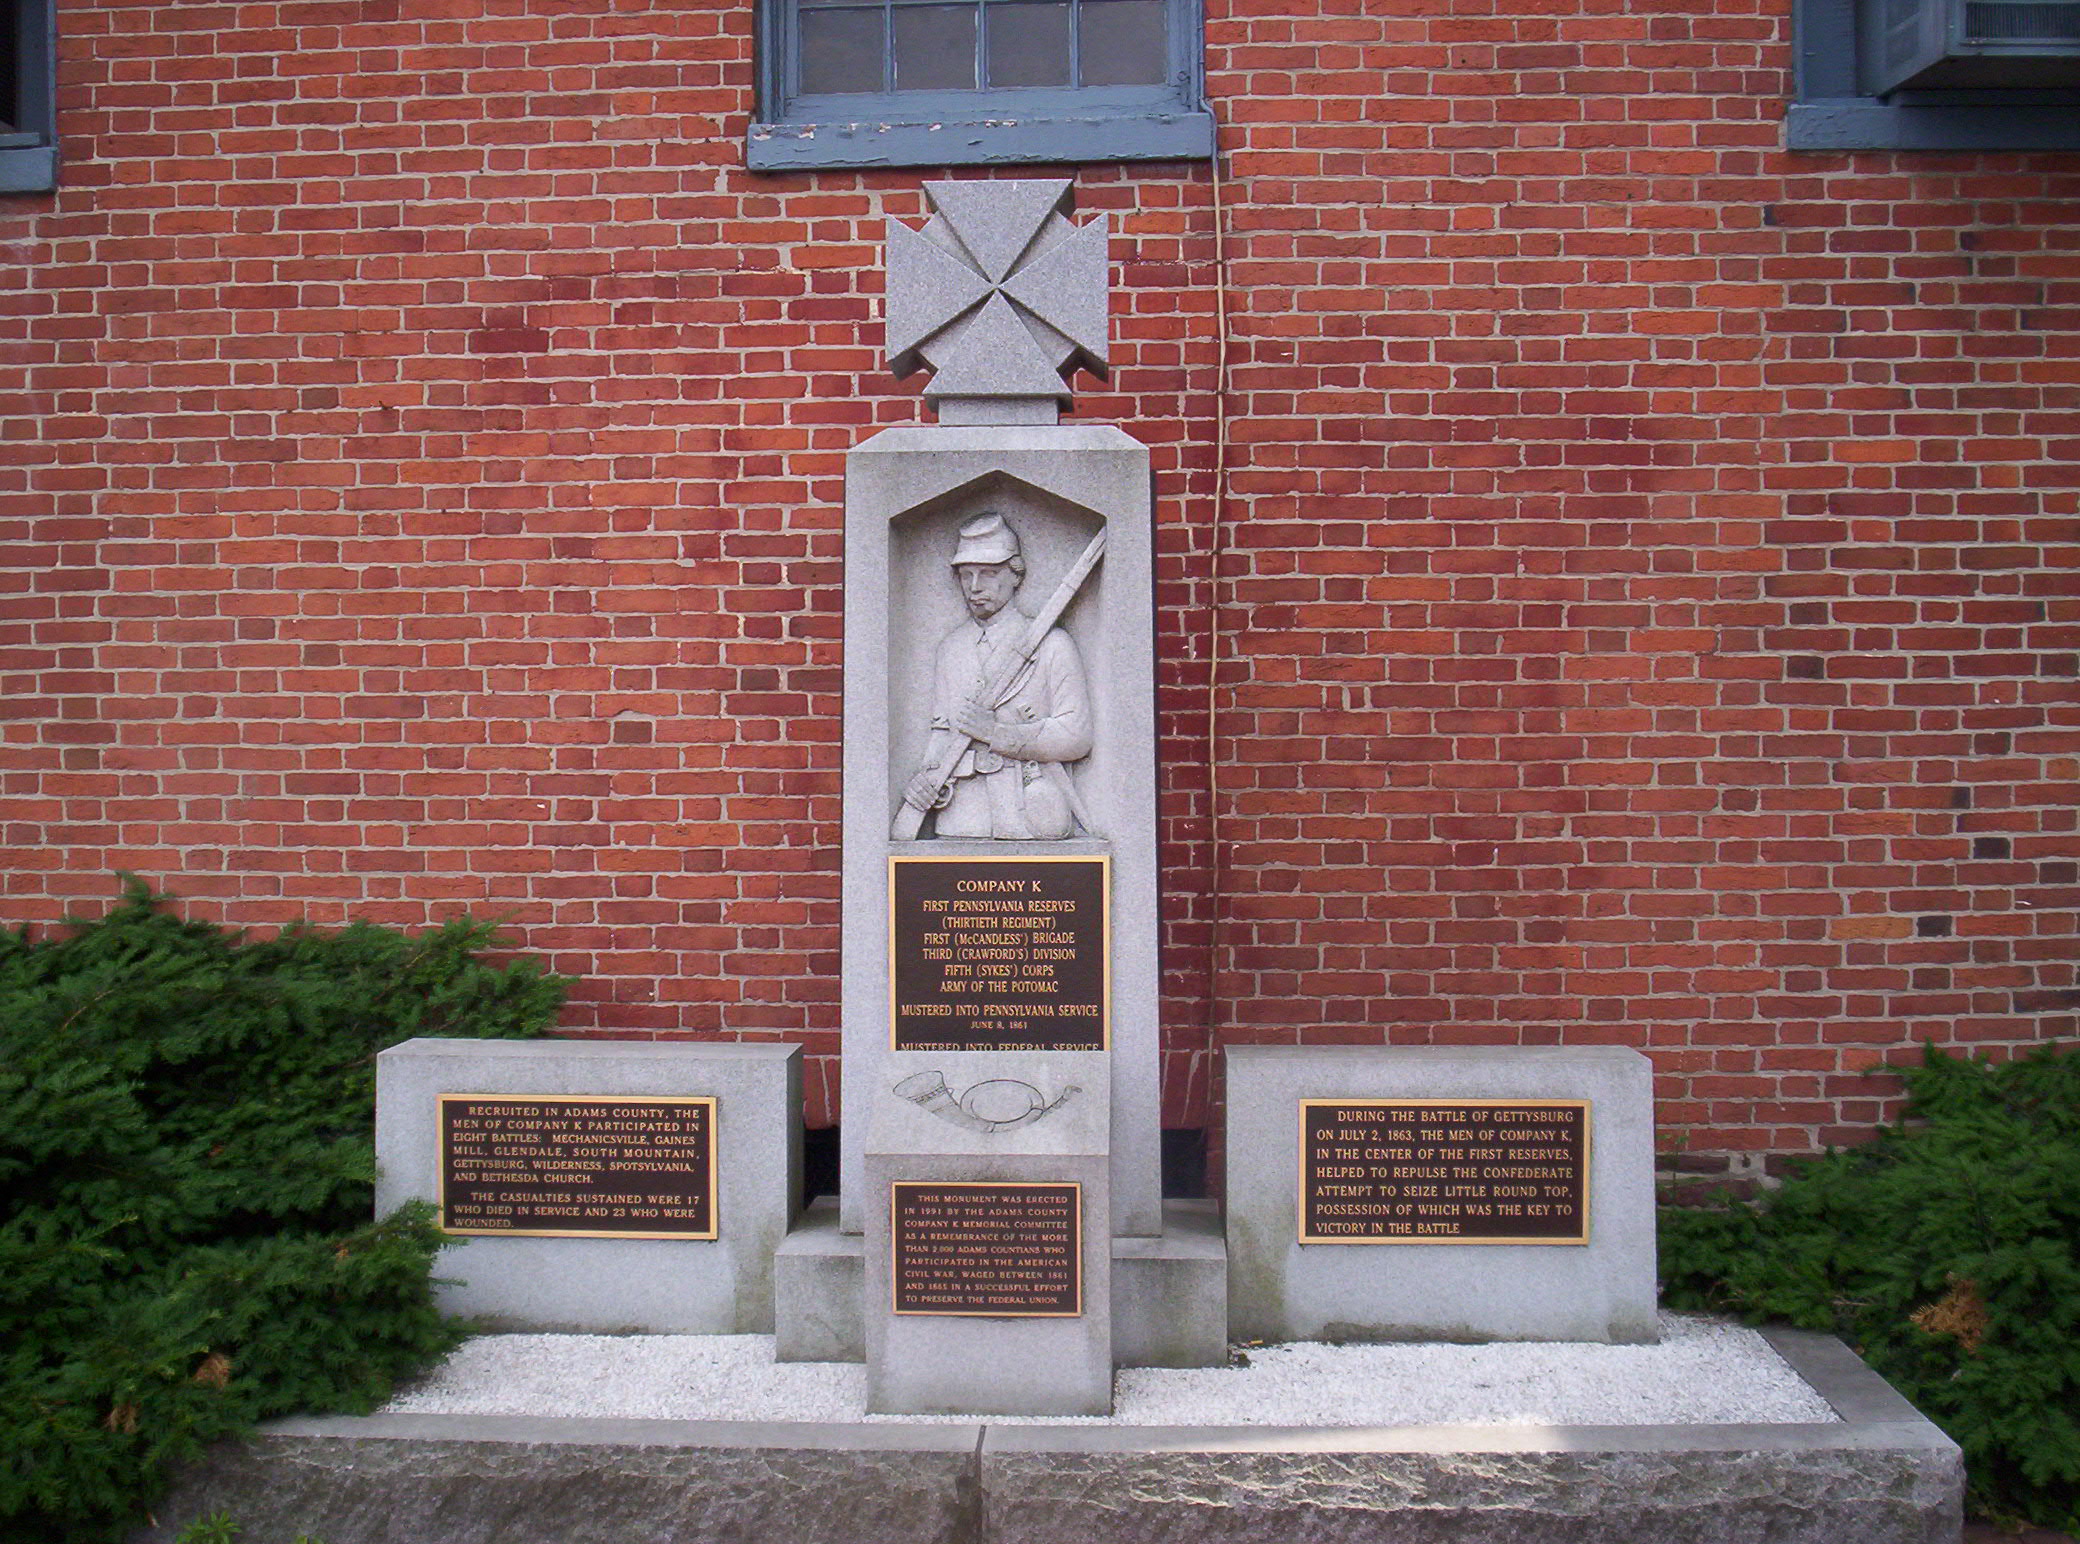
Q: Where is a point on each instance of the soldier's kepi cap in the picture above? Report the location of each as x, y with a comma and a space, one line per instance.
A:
987, 538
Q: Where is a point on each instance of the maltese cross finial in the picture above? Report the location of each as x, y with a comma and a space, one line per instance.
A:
1000, 296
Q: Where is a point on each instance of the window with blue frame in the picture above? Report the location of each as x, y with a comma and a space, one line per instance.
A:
968, 82
1935, 75
28, 102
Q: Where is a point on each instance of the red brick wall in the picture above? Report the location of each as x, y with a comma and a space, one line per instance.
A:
1642, 574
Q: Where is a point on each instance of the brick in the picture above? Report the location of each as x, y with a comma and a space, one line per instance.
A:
1644, 603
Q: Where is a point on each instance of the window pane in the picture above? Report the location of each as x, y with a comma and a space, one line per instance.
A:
935, 47
1122, 42
1029, 43
841, 51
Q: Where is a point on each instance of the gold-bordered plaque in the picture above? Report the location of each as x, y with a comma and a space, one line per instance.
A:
1008, 1250
1444, 1171
577, 1165
999, 954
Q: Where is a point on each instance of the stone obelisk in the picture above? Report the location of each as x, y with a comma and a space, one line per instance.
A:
1001, 1143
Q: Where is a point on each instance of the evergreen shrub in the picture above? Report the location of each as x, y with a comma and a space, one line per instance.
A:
186, 1185
1947, 1253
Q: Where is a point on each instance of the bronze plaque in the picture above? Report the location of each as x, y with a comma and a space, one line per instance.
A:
999, 954
577, 1165
1012, 1251
1430, 1171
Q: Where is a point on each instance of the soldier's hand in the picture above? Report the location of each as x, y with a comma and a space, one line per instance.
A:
924, 791
977, 723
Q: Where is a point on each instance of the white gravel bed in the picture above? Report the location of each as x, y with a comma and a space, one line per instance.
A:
1702, 1373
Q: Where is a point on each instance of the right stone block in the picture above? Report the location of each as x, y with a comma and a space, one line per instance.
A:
1428, 1193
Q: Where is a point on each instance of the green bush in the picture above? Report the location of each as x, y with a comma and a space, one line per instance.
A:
186, 1172
1947, 1252
223, 1528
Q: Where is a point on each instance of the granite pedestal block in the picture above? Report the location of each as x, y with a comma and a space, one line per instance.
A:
1169, 1294
1282, 1289
977, 1362
713, 1286
818, 1279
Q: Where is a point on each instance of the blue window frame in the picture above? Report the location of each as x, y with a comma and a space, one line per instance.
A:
978, 82
28, 100
1830, 110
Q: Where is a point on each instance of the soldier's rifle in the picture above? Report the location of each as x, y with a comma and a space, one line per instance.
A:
909, 818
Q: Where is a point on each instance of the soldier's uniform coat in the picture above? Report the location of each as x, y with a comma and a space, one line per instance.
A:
1022, 795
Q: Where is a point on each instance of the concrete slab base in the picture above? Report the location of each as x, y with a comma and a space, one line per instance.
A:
1882, 1475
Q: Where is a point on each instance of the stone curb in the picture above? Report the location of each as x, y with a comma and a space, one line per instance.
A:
1883, 1475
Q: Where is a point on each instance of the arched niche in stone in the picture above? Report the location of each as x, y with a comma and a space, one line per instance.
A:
925, 605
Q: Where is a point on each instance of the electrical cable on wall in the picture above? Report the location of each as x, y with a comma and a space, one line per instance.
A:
1217, 552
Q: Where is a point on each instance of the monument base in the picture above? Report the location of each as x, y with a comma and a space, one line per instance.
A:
936, 1342
1880, 1475
613, 1278
1370, 1284
1169, 1294
818, 1276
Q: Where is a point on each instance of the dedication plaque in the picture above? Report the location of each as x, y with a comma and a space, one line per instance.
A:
577, 1166
1406, 1171
1012, 1251
999, 954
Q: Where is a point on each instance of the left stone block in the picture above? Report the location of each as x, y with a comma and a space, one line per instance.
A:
603, 1186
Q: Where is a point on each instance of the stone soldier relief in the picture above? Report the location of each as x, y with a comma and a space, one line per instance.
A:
1010, 708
